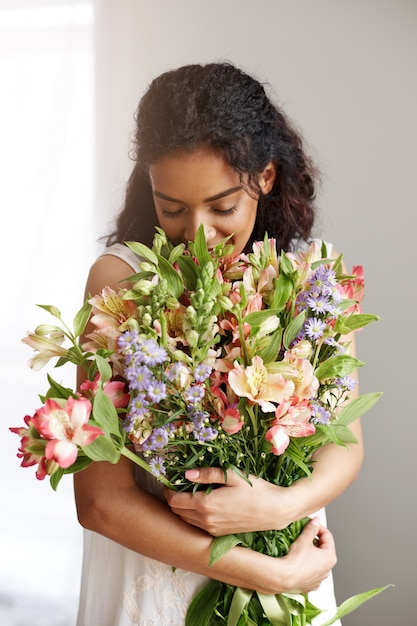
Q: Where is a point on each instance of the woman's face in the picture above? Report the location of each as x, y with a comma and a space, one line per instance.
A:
200, 187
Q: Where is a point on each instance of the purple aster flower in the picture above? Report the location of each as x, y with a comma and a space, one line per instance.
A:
348, 382
331, 341
156, 390
200, 419
301, 300
318, 303
138, 377
138, 405
205, 434
128, 340
157, 441
322, 277
314, 328
152, 353
173, 371
319, 414
201, 372
157, 466
194, 394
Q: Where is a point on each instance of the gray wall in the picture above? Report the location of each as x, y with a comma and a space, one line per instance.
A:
346, 74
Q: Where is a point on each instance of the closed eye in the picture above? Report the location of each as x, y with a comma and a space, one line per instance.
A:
226, 212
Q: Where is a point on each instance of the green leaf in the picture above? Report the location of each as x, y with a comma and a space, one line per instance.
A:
259, 317
102, 449
201, 608
200, 247
104, 368
141, 250
53, 310
338, 366
269, 354
222, 545
189, 271
351, 604
293, 329
285, 265
174, 283
56, 478
275, 609
297, 456
357, 407
58, 391
355, 321
104, 413
240, 601
283, 289
81, 319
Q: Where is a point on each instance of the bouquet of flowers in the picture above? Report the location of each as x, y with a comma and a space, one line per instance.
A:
210, 360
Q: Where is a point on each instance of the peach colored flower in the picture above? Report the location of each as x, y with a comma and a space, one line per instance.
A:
260, 386
306, 383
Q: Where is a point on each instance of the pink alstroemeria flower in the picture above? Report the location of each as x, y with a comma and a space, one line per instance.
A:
32, 450
232, 420
114, 389
353, 288
65, 428
260, 386
291, 420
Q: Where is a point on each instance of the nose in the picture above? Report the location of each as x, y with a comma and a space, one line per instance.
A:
192, 227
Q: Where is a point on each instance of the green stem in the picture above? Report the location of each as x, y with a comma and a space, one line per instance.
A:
317, 352
144, 465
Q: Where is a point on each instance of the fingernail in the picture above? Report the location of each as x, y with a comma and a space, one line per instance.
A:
192, 474
315, 521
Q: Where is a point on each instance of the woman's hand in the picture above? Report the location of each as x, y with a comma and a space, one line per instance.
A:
234, 506
311, 558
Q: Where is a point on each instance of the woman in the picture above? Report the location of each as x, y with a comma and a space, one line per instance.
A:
211, 149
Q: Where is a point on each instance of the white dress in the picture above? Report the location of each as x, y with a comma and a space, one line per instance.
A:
120, 587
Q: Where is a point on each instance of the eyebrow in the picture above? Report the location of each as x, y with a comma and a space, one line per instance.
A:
217, 196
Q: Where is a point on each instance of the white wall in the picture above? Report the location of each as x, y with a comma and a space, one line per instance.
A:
346, 73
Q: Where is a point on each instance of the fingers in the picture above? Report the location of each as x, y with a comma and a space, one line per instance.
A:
210, 475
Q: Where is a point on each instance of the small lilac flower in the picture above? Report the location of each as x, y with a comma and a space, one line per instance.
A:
152, 353
318, 303
157, 466
331, 341
314, 328
201, 372
138, 377
202, 435
200, 419
319, 414
194, 394
156, 390
348, 382
173, 371
138, 405
322, 277
157, 441
128, 339
301, 300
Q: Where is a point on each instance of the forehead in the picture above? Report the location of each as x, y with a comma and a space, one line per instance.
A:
199, 173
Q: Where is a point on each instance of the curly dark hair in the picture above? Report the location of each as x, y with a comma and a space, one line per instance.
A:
219, 107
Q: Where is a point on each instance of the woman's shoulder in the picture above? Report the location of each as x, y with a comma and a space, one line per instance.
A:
123, 252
